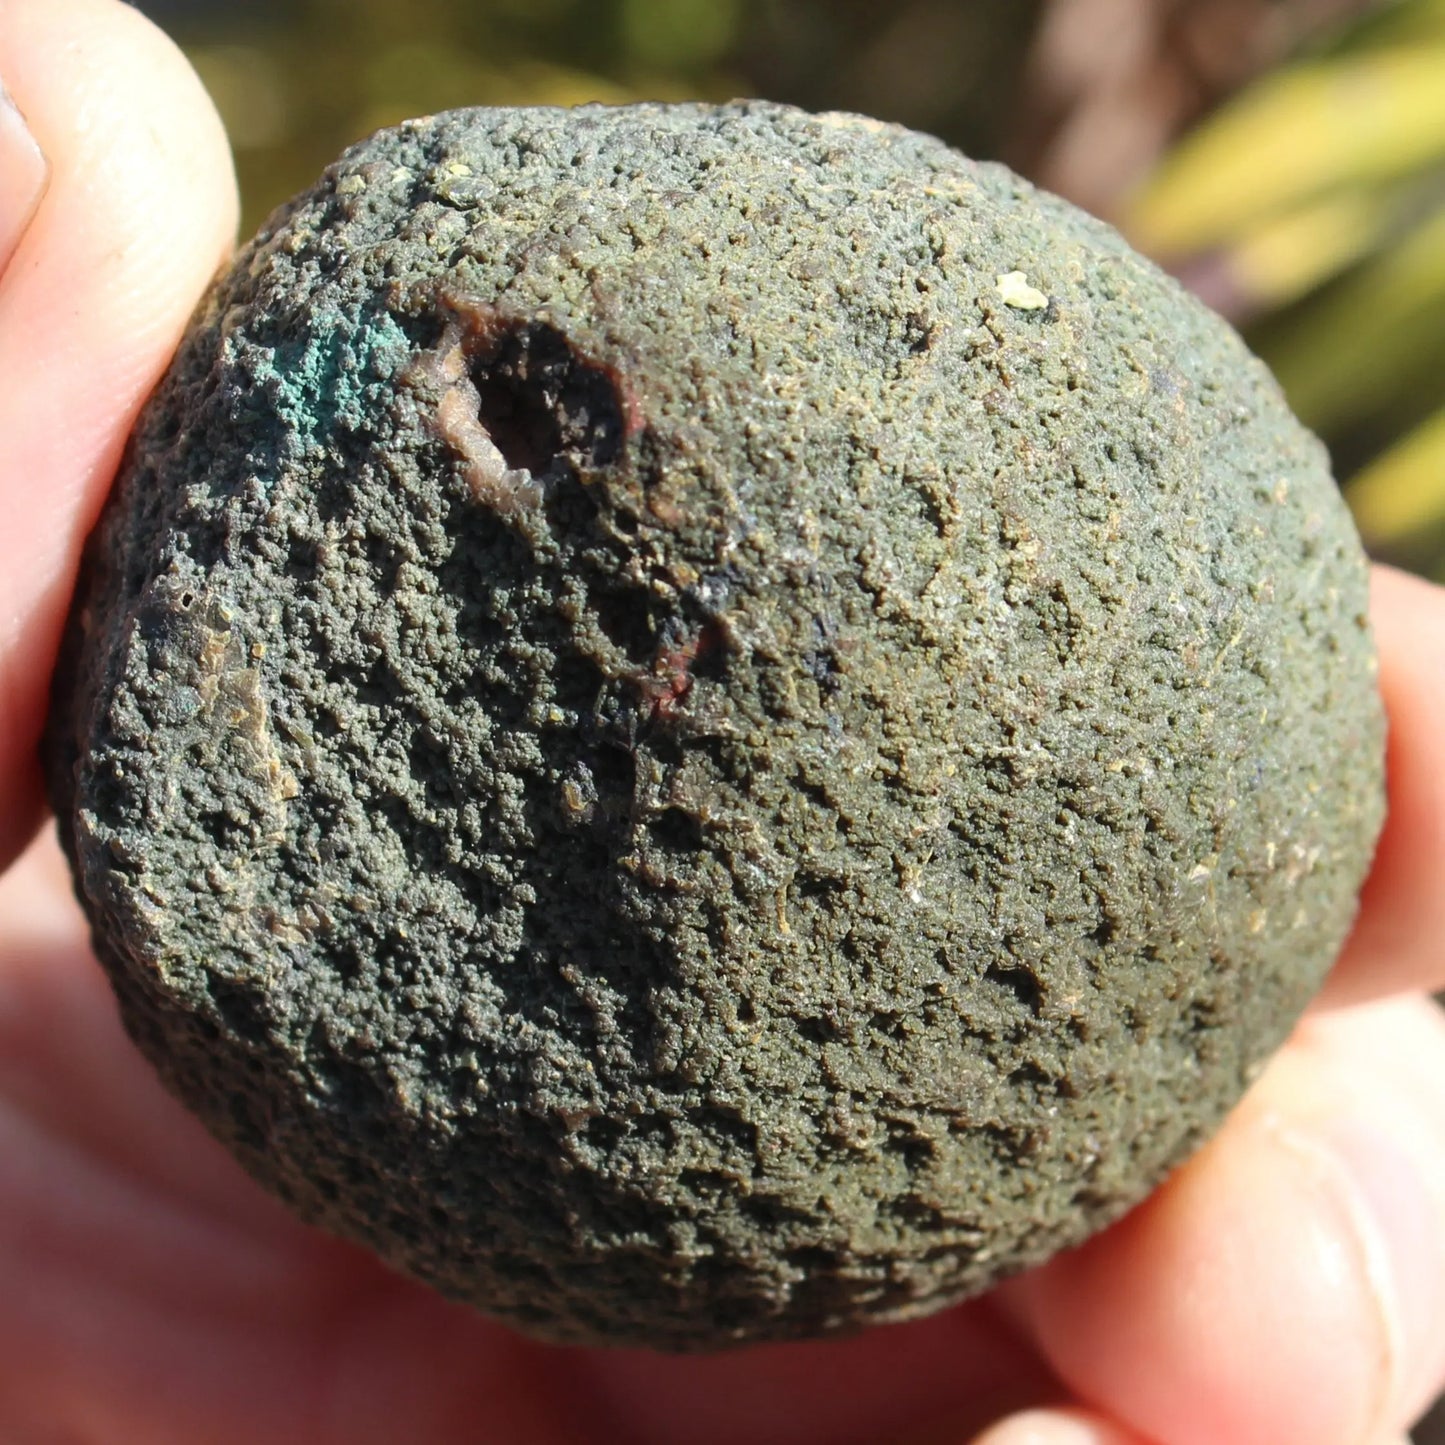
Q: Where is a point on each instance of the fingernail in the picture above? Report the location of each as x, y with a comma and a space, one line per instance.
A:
1054, 1427
24, 174
1403, 1229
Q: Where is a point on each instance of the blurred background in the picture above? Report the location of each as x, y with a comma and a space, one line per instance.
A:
1285, 158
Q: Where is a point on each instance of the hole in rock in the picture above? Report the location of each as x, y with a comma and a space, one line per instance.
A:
542, 402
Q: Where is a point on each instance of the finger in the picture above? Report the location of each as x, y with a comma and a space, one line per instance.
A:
1397, 943
138, 214
1289, 1283
1058, 1427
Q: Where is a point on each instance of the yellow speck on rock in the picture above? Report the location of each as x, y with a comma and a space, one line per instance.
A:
1016, 292
781, 898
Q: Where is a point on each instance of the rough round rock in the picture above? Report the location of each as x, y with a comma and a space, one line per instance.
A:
709, 723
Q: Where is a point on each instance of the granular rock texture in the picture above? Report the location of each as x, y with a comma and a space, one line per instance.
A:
654, 733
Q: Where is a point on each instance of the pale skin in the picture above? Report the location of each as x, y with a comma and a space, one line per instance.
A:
1287, 1285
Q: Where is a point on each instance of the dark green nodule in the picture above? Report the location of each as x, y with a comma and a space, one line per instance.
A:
706, 724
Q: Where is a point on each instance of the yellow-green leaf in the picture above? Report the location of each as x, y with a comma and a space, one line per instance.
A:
1403, 493
1291, 138
1376, 332
1287, 256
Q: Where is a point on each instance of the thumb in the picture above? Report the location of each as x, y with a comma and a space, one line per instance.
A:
108, 261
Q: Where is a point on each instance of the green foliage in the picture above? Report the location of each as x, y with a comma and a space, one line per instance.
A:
679, 33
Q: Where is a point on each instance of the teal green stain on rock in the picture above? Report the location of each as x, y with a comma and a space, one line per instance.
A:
639, 738
335, 376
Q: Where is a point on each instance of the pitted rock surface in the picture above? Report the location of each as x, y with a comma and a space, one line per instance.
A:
653, 733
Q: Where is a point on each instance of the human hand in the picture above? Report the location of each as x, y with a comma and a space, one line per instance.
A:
1286, 1285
